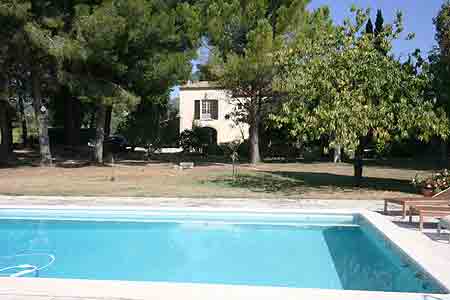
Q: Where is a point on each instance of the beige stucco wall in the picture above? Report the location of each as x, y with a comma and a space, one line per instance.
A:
227, 130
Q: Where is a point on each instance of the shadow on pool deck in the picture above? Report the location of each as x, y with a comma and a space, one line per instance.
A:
288, 182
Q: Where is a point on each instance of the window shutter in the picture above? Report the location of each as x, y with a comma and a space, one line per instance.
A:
197, 110
214, 109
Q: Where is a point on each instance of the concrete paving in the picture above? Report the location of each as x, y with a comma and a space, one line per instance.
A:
244, 203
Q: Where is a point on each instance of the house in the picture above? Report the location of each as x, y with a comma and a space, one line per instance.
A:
204, 105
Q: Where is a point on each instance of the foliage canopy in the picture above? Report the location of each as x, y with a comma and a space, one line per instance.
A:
339, 84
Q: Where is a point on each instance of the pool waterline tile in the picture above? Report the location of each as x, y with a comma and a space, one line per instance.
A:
263, 214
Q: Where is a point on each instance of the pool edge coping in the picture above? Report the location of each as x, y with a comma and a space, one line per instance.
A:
411, 246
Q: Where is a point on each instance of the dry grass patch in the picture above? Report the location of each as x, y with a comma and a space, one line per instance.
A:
156, 179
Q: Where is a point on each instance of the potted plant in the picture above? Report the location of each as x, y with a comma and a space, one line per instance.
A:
433, 184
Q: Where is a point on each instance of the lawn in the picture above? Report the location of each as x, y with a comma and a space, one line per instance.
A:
160, 178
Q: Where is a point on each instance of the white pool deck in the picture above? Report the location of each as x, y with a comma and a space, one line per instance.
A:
430, 251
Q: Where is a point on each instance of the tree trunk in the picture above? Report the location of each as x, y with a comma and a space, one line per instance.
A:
337, 154
3, 141
108, 121
41, 113
4, 120
255, 156
9, 132
100, 132
23, 121
68, 115
72, 122
444, 153
358, 162
93, 114
76, 134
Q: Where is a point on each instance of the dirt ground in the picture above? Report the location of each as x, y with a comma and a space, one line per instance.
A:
162, 179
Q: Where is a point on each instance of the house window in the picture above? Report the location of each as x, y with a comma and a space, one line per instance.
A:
209, 111
197, 110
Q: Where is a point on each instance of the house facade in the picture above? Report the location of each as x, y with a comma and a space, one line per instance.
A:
204, 105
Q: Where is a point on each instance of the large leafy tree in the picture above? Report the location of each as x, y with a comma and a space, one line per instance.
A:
341, 85
245, 36
440, 63
440, 57
442, 23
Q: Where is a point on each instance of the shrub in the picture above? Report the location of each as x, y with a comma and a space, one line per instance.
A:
199, 139
191, 140
312, 153
437, 182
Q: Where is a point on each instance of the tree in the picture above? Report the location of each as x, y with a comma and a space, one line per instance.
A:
142, 127
246, 35
205, 73
379, 23
378, 33
28, 29
341, 85
440, 64
21, 91
369, 27
122, 52
248, 79
442, 23
6, 112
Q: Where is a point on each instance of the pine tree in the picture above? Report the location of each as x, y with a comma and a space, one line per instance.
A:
246, 36
29, 38
123, 52
111, 53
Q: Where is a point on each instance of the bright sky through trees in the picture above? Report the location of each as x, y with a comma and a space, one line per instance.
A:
418, 18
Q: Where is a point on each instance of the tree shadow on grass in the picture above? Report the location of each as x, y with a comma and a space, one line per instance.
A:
197, 159
419, 164
21, 159
290, 183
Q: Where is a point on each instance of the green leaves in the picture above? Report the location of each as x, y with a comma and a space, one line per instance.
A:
442, 23
440, 58
127, 49
230, 22
340, 84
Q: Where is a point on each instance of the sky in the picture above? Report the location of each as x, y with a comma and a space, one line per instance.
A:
417, 16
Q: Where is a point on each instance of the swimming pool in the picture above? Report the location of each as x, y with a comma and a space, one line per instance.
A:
314, 250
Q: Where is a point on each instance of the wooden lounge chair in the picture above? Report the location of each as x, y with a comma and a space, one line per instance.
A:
442, 198
428, 211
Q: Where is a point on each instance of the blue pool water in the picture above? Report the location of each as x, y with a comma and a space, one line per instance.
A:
314, 251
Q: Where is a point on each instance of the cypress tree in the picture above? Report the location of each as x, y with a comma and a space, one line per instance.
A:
369, 26
379, 28
379, 23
